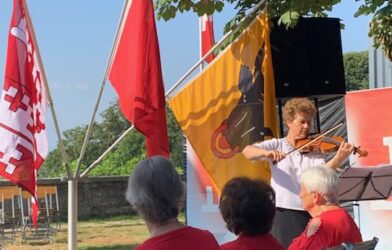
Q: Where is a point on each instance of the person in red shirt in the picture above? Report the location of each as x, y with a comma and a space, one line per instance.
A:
248, 208
330, 225
156, 193
286, 168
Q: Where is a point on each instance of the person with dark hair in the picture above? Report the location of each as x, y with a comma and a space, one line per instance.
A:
330, 225
248, 208
156, 193
291, 218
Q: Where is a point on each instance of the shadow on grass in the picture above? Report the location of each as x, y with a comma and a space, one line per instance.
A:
37, 243
101, 219
110, 247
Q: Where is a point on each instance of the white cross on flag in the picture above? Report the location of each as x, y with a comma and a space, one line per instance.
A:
23, 141
207, 36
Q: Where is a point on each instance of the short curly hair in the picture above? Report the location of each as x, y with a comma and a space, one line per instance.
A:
247, 206
297, 105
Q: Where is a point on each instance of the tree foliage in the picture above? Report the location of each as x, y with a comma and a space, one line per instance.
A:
381, 23
121, 160
288, 13
356, 68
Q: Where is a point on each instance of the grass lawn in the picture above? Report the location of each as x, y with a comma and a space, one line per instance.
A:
115, 233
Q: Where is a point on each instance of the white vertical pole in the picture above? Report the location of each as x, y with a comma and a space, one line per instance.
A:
57, 200
28, 207
22, 207
50, 201
72, 213
2, 207
13, 205
46, 204
200, 42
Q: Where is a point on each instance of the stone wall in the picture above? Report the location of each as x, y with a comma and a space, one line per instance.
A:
97, 196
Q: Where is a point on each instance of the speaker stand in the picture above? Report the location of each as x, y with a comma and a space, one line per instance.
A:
318, 127
280, 113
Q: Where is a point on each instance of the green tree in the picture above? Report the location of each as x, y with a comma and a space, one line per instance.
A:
113, 124
288, 13
176, 140
356, 70
132, 149
121, 160
102, 136
53, 165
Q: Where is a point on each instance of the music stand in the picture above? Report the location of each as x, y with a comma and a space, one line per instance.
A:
360, 184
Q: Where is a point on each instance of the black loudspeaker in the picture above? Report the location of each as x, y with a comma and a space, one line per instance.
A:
308, 59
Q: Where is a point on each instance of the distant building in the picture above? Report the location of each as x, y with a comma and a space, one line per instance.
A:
380, 68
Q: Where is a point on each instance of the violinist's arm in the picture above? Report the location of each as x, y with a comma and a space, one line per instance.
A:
254, 153
345, 149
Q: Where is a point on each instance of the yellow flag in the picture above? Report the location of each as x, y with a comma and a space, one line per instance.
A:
231, 104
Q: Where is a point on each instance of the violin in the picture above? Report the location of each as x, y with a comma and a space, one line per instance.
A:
324, 144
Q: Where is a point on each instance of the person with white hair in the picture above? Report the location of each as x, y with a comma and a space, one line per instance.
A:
286, 168
156, 192
330, 225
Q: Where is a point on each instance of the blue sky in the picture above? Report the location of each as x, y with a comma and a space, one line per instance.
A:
75, 38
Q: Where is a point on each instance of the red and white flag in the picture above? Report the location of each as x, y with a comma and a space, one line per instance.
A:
23, 143
135, 73
207, 36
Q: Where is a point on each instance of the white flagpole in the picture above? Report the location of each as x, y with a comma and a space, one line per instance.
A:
72, 213
73, 181
72, 184
48, 95
174, 87
200, 41
126, 6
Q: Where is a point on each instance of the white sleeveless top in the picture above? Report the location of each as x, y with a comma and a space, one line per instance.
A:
286, 174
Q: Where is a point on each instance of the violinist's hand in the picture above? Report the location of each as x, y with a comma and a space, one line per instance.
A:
274, 155
345, 149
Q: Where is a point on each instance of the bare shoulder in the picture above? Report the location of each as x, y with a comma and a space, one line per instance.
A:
313, 227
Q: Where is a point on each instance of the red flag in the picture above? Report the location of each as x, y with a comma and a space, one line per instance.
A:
23, 144
207, 36
136, 75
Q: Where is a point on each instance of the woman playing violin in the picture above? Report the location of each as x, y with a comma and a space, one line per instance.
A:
290, 217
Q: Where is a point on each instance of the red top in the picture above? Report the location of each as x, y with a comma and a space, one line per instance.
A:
184, 238
333, 227
244, 242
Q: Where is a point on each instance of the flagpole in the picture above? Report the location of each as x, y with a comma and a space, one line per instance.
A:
72, 183
200, 42
218, 44
95, 163
49, 97
85, 173
72, 213
108, 66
